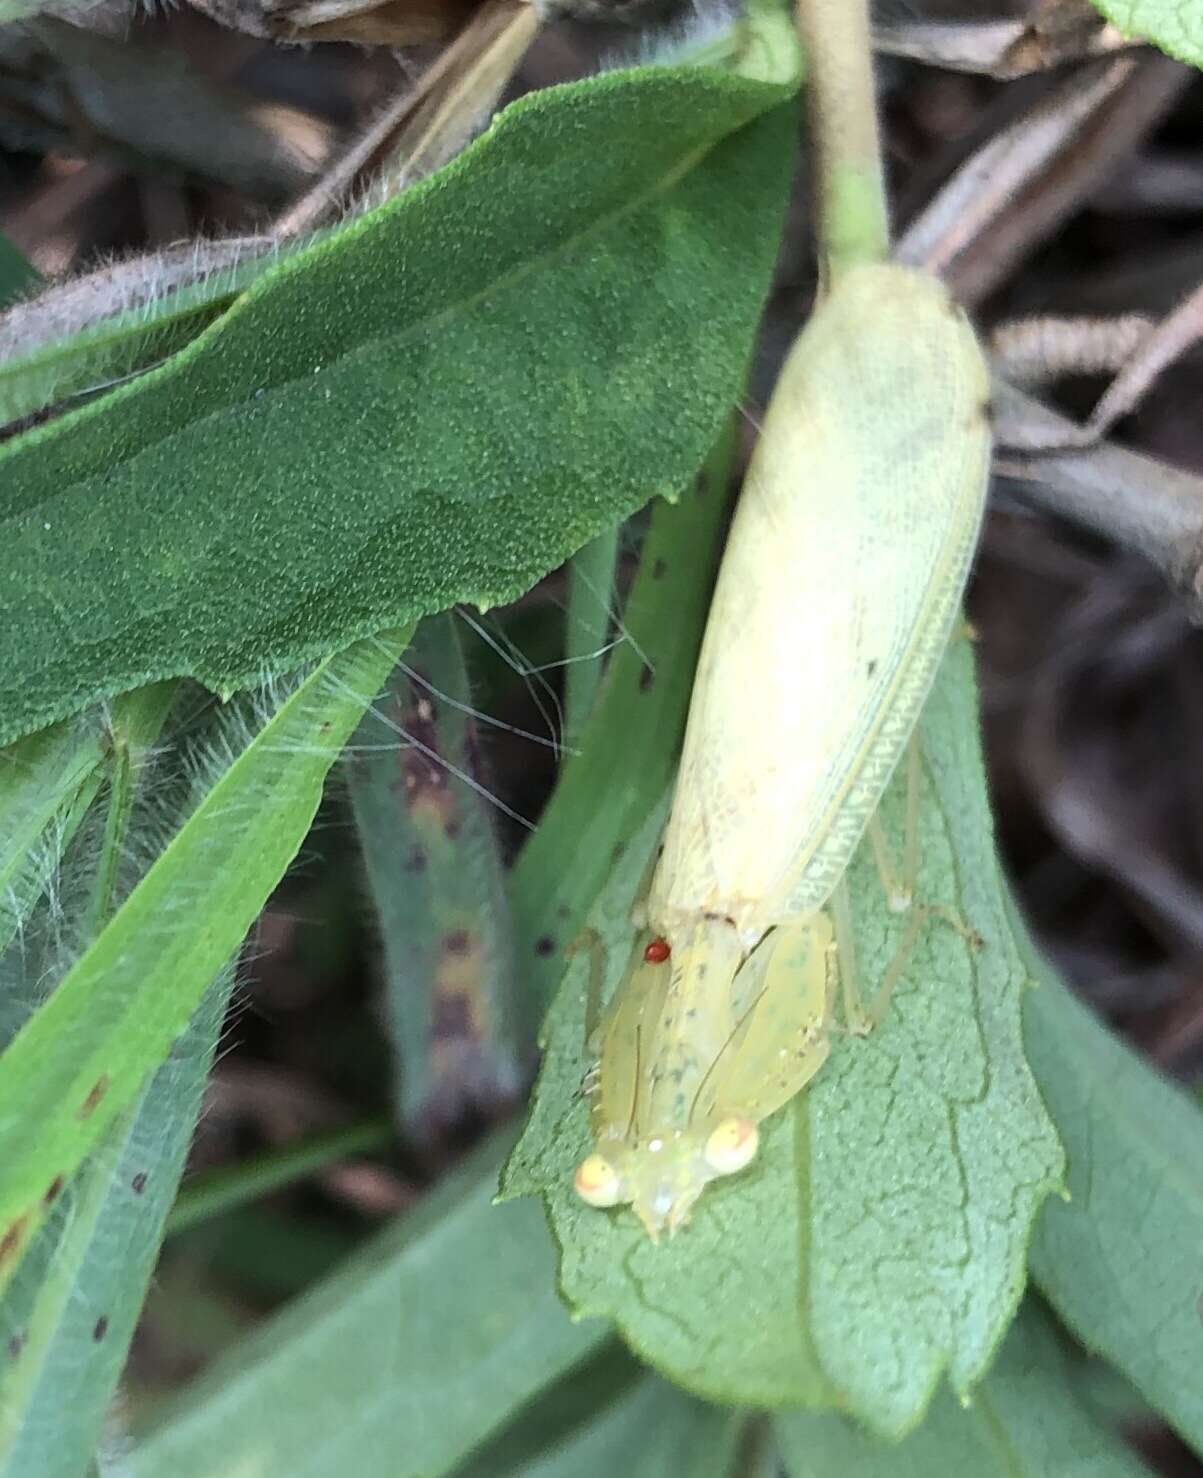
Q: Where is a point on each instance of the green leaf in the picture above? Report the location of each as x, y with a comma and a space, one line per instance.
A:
17, 274
439, 403
69, 1314
880, 1237
587, 626
1025, 1421
400, 1364
91, 332
81, 1059
459, 1034
133, 726
47, 781
1174, 25
652, 1430
1121, 1261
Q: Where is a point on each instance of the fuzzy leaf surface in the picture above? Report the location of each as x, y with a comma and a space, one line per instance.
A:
81, 1059
438, 403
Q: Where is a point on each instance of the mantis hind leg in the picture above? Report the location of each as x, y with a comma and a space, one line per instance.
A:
899, 884
858, 1018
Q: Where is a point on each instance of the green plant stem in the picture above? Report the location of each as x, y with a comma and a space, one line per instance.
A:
135, 721
226, 1189
853, 224
117, 814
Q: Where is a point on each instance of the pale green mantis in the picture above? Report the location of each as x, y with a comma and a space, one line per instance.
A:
837, 594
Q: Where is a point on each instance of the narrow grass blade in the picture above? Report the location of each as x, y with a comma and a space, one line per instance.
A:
421, 804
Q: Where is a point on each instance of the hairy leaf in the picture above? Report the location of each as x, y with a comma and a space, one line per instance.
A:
68, 1316
438, 403
87, 334
82, 1058
47, 781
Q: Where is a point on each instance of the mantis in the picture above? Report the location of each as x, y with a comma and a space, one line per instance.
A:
835, 601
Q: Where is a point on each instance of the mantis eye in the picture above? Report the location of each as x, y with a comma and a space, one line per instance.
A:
597, 1182
732, 1146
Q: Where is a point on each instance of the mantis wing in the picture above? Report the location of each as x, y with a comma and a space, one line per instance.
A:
629, 1032
783, 1003
840, 582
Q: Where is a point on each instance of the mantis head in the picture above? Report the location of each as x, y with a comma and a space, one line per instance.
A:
663, 1175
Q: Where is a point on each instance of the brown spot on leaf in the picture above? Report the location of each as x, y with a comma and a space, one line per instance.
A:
545, 945
451, 829
416, 861
16, 1343
53, 1190
452, 1015
11, 1240
646, 678
100, 1328
138, 1184
457, 942
97, 1091
659, 569
426, 777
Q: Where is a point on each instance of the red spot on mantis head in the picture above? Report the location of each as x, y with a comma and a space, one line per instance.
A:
657, 951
